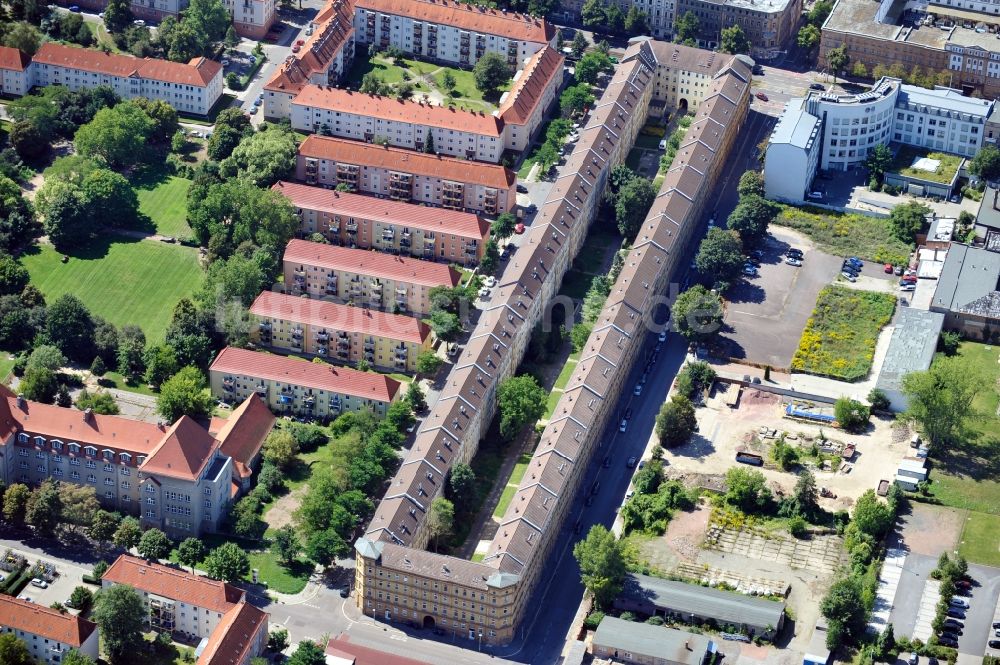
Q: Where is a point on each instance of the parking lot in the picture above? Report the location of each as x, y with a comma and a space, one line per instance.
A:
68, 577
767, 313
924, 533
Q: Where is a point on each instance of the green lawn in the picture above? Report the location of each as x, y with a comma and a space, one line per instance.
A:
967, 474
980, 542
565, 374
511, 488
120, 383
846, 234
575, 284
944, 174
840, 335
165, 202
279, 578
6, 365
121, 279
591, 257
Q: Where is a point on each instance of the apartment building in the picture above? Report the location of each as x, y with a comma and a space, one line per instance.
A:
404, 175
232, 631
179, 479
338, 332
48, 633
769, 24
493, 596
293, 386
251, 18
400, 123
683, 75
393, 227
323, 60
660, 14
364, 278
192, 88
450, 31
14, 71
850, 126
792, 155
535, 89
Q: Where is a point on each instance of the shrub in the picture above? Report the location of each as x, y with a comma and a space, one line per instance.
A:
593, 620
797, 527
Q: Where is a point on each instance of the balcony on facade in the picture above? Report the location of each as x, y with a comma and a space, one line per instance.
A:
405, 238
162, 613
453, 195
286, 396
228, 385
400, 186
335, 403
265, 332
331, 285
309, 402
261, 389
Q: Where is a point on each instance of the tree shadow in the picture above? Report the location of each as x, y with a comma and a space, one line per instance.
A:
747, 292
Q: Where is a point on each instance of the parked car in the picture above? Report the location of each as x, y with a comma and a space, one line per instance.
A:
794, 253
954, 622
300, 42
951, 632
853, 260
224, 63
522, 189
898, 271
345, 592
908, 287
484, 292
793, 261
663, 144
628, 413
296, 48
888, 268
907, 279
959, 602
954, 612
490, 281
849, 276
948, 642
75, 9
662, 337
817, 86
761, 96
749, 271
637, 390
519, 228
966, 584
630, 463
914, 659
994, 644
623, 426
40, 583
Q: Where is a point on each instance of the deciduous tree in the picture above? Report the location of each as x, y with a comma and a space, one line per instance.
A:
676, 422
746, 489
697, 313
907, 219
602, 564
285, 544
491, 72
119, 611
154, 545
734, 40
521, 402
228, 563
720, 255
70, 327
184, 394
440, 520
128, 533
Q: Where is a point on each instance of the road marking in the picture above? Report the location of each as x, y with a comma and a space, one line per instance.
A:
287, 619
927, 610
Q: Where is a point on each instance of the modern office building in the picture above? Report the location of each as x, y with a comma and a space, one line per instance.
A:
400, 123
338, 332
178, 478
450, 31
683, 75
364, 278
47, 633
850, 126
231, 630
535, 89
323, 60
192, 88
393, 227
770, 25
293, 386
489, 599
792, 155
405, 175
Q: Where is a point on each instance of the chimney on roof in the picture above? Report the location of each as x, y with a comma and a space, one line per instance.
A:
21, 402
88, 415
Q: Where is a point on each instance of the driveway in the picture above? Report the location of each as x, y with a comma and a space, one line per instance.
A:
767, 313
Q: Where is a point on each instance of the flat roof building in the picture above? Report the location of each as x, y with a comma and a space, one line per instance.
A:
636, 643
364, 278
297, 386
692, 602
338, 332
47, 633
911, 349
968, 293
768, 25
793, 153
405, 175
394, 227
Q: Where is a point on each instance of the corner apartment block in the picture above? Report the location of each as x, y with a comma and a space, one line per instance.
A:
294, 386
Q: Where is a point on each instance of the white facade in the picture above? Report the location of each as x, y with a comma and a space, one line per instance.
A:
854, 124
192, 88
47, 633
251, 18
792, 154
180, 507
941, 120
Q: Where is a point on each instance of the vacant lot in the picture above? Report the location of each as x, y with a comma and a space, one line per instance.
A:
846, 234
123, 280
981, 539
839, 339
165, 203
946, 170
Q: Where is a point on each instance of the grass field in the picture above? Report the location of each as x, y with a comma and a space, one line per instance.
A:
125, 281
944, 174
840, 335
980, 542
165, 202
283, 580
846, 234
967, 474
511, 488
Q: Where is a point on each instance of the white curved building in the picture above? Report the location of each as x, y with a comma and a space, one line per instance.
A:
854, 124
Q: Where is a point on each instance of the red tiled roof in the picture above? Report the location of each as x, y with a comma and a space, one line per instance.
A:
374, 264
442, 220
45, 622
71, 425
198, 72
340, 317
409, 161
231, 641
520, 27
184, 452
13, 59
320, 376
242, 434
342, 647
172, 583
527, 91
336, 25
398, 110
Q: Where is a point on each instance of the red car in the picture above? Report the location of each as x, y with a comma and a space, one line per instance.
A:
296, 48
300, 42
519, 228
761, 96
888, 268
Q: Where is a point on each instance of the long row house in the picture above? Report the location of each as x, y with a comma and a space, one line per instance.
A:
396, 579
